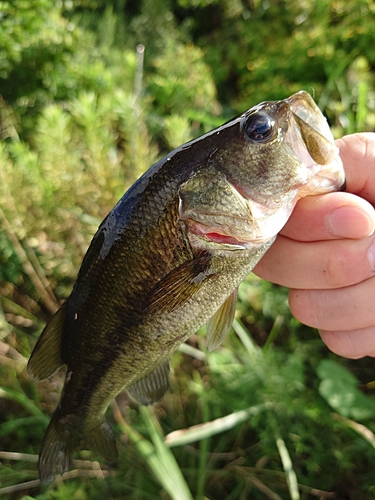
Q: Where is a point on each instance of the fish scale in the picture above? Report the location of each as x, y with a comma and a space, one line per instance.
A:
169, 258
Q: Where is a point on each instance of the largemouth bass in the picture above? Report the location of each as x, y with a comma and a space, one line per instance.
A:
169, 258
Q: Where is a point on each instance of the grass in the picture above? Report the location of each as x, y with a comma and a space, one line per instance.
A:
244, 422
262, 417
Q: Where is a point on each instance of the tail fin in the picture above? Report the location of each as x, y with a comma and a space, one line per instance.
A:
62, 439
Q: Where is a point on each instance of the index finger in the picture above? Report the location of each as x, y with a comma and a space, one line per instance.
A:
357, 152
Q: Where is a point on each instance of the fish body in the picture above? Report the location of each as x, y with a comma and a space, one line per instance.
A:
169, 258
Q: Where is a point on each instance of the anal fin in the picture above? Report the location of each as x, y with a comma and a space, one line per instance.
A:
221, 321
46, 357
102, 440
149, 389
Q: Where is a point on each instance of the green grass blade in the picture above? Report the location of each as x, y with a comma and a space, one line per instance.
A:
171, 478
342, 64
7, 490
15, 308
208, 429
288, 468
24, 401
362, 110
203, 455
275, 330
14, 424
360, 429
159, 457
192, 351
245, 338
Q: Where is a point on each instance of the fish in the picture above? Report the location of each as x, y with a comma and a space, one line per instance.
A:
169, 258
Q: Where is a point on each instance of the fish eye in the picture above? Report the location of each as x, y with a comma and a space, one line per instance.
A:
259, 127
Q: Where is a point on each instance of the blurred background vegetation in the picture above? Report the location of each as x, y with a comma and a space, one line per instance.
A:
92, 93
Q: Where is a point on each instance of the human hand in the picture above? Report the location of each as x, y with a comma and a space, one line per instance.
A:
326, 256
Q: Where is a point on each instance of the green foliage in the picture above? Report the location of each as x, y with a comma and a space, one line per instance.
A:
339, 388
35, 42
33, 36
82, 115
178, 65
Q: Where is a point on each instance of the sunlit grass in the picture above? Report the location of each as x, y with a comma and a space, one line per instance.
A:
257, 418
240, 421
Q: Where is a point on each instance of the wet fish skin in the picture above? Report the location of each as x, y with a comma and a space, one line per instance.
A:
168, 258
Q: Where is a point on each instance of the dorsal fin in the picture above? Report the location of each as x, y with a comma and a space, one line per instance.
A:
221, 321
148, 390
46, 357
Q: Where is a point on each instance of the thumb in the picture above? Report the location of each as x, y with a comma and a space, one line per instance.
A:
330, 216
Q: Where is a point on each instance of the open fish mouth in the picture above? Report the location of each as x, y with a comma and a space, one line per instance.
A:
255, 218
313, 144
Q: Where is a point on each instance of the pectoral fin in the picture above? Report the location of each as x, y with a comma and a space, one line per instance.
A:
221, 321
179, 285
148, 390
46, 357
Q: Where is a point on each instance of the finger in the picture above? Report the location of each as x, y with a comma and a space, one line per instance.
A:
351, 343
347, 308
333, 215
357, 152
318, 265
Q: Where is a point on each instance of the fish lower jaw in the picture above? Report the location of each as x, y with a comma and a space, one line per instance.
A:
322, 184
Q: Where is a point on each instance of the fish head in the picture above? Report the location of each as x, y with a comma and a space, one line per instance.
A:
265, 160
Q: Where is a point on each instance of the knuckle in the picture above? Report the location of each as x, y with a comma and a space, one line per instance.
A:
346, 265
336, 271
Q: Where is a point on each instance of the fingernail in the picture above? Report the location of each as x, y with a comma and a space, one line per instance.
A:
351, 222
371, 255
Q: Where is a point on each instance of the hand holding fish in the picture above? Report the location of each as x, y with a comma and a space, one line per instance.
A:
326, 255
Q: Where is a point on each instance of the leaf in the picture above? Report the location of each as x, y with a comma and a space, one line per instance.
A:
338, 394
338, 387
328, 368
